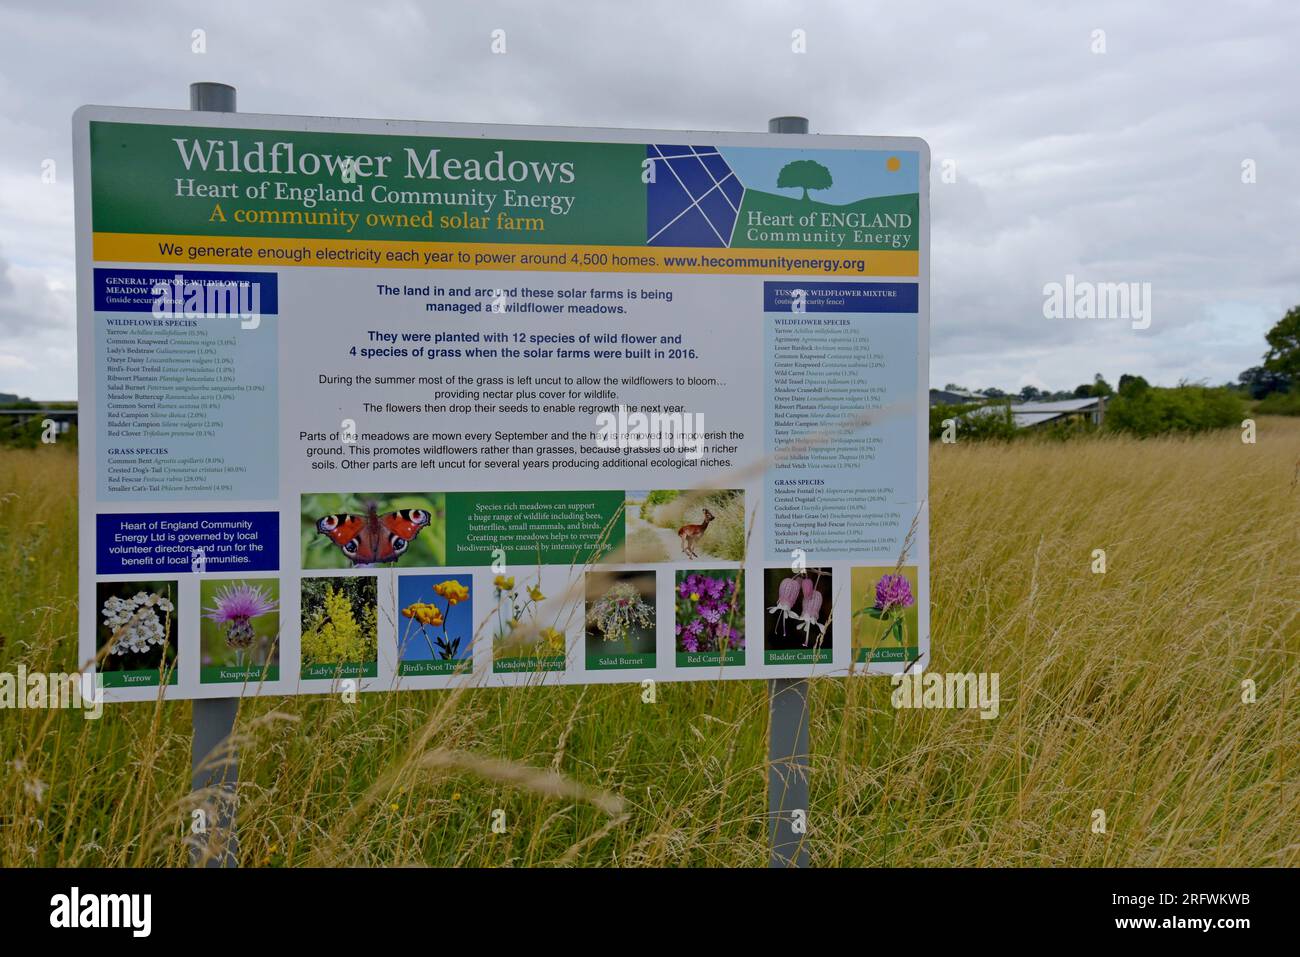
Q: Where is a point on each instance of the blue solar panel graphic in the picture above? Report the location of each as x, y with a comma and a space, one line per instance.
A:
694, 198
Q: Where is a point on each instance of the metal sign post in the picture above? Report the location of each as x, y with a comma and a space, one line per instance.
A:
214, 759
787, 746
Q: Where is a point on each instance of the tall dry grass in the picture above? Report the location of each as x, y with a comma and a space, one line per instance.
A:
1120, 692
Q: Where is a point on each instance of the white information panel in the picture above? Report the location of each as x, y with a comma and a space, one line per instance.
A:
415, 404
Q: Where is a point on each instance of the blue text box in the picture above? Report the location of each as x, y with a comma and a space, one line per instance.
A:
841, 296
128, 289
127, 543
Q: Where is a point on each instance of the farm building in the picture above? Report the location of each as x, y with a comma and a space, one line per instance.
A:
64, 417
1028, 415
955, 397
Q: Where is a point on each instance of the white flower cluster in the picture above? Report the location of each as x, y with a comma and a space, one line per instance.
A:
135, 622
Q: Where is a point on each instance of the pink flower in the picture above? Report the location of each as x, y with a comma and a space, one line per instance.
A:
240, 601
235, 606
893, 592
787, 593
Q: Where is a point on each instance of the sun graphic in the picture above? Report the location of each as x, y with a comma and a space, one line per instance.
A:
893, 164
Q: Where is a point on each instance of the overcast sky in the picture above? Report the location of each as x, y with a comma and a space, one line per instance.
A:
1122, 166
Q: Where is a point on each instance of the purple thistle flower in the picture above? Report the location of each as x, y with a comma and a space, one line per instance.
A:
240, 601
236, 605
893, 592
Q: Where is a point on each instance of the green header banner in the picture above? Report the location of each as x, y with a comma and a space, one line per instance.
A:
165, 180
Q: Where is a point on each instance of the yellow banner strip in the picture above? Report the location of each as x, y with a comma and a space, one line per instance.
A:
395, 254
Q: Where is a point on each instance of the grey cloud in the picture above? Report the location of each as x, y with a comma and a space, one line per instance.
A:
1116, 167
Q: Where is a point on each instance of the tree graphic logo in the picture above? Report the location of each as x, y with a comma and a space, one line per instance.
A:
805, 175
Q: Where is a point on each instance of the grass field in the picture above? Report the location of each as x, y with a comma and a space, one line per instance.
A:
1120, 691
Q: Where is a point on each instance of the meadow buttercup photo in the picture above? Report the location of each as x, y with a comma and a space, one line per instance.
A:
697, 436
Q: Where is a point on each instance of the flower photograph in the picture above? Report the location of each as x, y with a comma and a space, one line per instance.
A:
885, 616
340, 627
620, 620
710, 617
239, 630
797, 616
435, 624
137, 632
535, 613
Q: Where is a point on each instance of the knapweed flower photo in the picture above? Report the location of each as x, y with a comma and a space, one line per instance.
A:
240, 623
710, 612
137, 625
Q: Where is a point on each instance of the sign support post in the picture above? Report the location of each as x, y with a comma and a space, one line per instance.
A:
787, 747
214, 759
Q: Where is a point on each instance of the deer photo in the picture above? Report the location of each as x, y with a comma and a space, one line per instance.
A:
691, 534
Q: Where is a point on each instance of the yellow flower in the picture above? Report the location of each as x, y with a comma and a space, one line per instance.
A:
695, 596
503, 583
535, 592
553, 638
451, 590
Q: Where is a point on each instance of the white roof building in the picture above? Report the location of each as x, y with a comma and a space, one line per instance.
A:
1026, 415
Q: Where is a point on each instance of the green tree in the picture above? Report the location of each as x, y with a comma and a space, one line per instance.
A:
1283, 356
1187, 408
1130, 385
805, 175
1259, 382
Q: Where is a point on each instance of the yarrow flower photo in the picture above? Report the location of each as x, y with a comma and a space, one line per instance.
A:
240, 628
710, 625
138, 627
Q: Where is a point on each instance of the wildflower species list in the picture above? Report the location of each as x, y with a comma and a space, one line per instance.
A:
379, 405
